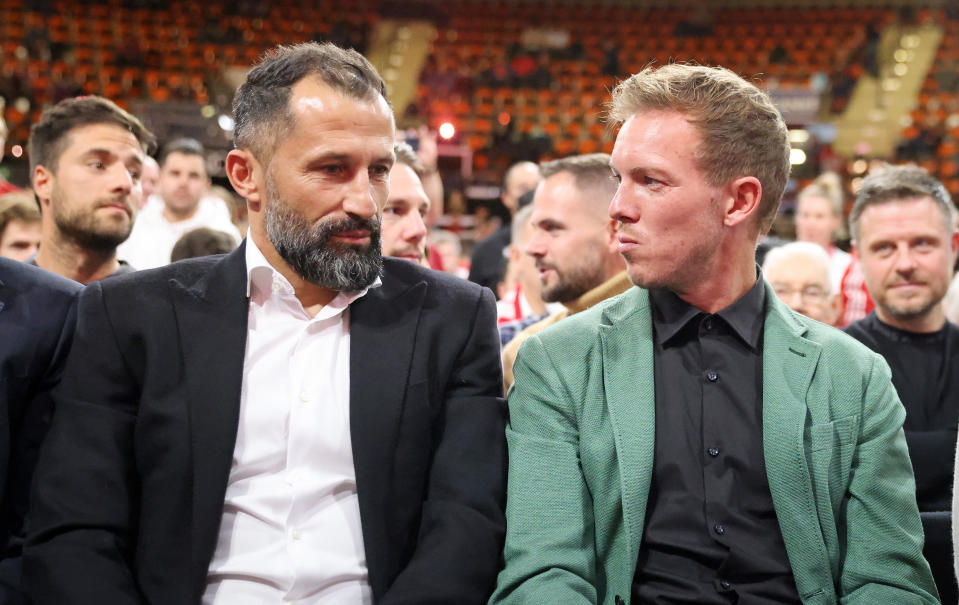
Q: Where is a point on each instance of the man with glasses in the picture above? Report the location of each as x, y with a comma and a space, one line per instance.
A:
799, 275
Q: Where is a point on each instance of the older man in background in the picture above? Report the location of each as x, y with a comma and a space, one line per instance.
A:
799, 275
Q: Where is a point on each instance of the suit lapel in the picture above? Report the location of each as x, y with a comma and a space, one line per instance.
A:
789, 361
631, 399
211, 317
383, 326
5, 293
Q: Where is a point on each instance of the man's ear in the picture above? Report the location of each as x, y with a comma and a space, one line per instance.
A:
43, 184
744, 193
246, 176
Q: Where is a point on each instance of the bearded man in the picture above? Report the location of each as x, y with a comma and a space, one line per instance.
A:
86, 161
298, 420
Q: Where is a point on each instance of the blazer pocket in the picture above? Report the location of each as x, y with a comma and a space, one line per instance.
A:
832, 446
834, 435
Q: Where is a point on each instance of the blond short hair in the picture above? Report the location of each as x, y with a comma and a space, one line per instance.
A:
743, 134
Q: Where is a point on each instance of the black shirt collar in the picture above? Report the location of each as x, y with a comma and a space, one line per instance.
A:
745, 316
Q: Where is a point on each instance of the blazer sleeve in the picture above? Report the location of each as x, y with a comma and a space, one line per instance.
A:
883, 533
83, 506
549, 554
462, 525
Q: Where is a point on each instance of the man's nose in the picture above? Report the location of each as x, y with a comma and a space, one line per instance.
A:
623, 209
415, 229
359, 199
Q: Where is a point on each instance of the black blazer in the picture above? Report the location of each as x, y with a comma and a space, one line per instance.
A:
37, 317
130, 486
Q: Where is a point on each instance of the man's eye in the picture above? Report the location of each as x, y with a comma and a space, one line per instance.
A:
380, 171
97, 165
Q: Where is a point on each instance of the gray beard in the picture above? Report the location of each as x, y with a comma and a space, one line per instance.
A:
308, 250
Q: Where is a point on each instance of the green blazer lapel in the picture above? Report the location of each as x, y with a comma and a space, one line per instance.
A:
789, 361
627, 346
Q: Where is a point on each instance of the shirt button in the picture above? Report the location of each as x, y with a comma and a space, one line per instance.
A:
708, 324
712, 376
713, 451
725, 584
295, 534
304, 397
719, 529
277, 285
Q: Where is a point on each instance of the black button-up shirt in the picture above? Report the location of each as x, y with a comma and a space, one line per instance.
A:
711, 533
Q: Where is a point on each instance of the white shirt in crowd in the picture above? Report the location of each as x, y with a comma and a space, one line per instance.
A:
153, 236
290, 530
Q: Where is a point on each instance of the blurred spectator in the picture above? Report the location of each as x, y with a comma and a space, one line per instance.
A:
819, 219
519, 292
86, 155
573, 242
488, 262
403, 229
149, 179
904, 228
450, 249
610, 58
183, 184
799, 275
202, 241
19, 225
5, 186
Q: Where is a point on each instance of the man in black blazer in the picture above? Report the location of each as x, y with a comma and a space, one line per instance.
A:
136, 497
37, 317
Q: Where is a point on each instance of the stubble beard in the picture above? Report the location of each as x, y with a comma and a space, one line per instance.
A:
85, 229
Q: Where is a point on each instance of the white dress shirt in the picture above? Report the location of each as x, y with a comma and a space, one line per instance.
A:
290, 530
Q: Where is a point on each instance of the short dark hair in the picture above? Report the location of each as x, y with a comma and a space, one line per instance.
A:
899, 184
184, 145
49, 136
261, 106
202, 241
405, 155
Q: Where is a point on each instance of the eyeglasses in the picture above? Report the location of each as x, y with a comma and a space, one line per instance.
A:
810, 293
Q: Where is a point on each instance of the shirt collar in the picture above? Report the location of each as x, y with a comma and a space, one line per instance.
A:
745, 316
262, 274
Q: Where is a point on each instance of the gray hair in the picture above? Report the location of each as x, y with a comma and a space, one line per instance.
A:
897, 184
743, 134
813, 253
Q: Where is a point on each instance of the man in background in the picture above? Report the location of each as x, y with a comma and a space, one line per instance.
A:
20, 229
799, 275
904, 231
404, 229
573, 242
488, 261
182, 185
86, 156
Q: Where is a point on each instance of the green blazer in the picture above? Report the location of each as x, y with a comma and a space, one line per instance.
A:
581, 442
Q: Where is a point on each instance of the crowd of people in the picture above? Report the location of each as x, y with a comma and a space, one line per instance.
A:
294, 390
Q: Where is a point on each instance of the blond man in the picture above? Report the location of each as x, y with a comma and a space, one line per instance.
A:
693, 439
